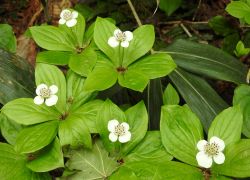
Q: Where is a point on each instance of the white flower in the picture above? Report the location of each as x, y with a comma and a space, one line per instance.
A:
210, 151
119, 131
68, 17
120, 37
47, 94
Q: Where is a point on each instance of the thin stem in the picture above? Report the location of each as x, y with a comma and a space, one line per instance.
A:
134, 13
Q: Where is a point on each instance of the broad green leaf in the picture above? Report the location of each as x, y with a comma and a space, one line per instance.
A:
170, 96
13, 166
240, 49
52, 75
240, 93
237, 162
150, 150
34, 138
154, 66
124, 173
102, 77
137, 118
208, 61
133, 79
218, 177
16, 77
199, 96
7, 38
180, 131
74, 131
88, 36
53, 57
25, 111
47, 159
52, 38
84, 62
78, 30
170, 6
91, 164
239, 9
227, 125
230, 42
107, 112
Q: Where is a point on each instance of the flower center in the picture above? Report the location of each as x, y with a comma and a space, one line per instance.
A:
211, 149
67, 15
120, 36
45, 92
119, 130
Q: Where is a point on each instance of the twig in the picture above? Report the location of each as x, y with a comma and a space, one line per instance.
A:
197, 9
134, 13
186, 30
184, 22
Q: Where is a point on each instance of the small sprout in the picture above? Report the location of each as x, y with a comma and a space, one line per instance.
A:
210, 151
68, 17
119, 131
120, 37
47, 94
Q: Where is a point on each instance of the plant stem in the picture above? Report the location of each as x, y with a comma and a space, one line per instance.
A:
134, 13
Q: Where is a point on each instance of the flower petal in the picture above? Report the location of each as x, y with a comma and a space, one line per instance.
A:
129, 35
117, 31
125, 138
39, 87
52, 100
218, 141
113, 42
125, 44
74, 14
71, 22
201, 145
204, 160
63, 12
126, 126
219, 159
38, 100
62, 21
112, 124
113, 137
53, 89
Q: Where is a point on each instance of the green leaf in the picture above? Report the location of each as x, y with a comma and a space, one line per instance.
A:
17, 77
84, 62
150, 150
133, 79
7, 38
78, 29
53, 57
199, 96
170, 6
102, 77
208, 61
91, 164
52, 38
241, 50
237, 162
47, 159
227, 125
154, 66
25, 111
13, 166
180, 131
74, 131
240, 93
170, 96
239, 9
33, 138
229, 43
52, 75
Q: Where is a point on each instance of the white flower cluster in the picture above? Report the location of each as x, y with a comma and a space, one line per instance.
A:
120, 37
68, 17
46, 94
119, 131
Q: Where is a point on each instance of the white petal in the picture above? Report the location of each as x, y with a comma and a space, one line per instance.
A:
52, 100
220, 158
113, 42
63, 12
53, 89
117, 31
204, 160
39, 87
112, 124
62, 21
126, 126
113, 137
74, 14
71, 22
38, 100
218, 141
129, 35
201, 144
125, 138
125, 44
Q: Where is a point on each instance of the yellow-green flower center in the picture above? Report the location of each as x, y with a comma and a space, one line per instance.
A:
211, 149
67, 15
120, 36
119, 130
45, 92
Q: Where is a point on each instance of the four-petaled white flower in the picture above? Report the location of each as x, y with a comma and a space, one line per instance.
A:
120, 37
47, 94
68, 17
210, 151
119, 131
